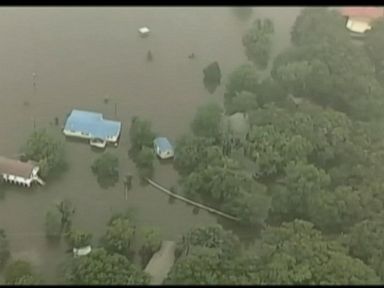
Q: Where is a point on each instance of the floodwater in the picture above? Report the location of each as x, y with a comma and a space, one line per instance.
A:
81, 56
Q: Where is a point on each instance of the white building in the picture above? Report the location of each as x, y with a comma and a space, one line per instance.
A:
18, 172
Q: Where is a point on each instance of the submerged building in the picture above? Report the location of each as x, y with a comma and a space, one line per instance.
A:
360, 19
92, 126
18, 172
163, 148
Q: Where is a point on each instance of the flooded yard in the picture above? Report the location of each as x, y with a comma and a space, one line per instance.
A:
83, 55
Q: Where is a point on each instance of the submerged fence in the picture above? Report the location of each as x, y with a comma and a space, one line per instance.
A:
209, 209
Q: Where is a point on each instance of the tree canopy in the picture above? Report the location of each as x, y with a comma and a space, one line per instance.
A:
4, 248
46, 150
103, 268
106, 169
258, 43
207, 121
296, 254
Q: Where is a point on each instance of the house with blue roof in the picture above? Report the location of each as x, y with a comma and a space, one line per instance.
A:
92, 126
163, 148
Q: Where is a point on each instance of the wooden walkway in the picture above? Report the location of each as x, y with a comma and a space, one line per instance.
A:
209, 209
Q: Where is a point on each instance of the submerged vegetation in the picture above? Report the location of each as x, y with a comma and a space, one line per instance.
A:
304, 171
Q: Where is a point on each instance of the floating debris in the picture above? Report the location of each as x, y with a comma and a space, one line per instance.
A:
191, 56
144, 31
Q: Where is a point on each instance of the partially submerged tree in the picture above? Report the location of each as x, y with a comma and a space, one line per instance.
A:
119, 236
243, 79
20, 272
67, 210
53, 224
144, 162
258, 43
151, 243
46, 150
106, 168
212, 76
78, 239
207, 121
4, 248
295, 254
140, 135
103, 268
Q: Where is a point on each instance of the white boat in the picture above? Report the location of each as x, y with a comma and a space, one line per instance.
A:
97, 142
144, 31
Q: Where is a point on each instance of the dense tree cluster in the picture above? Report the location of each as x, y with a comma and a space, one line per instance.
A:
309, 167
112, 262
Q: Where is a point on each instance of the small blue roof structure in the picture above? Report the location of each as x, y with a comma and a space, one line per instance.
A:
163, 144
92, 124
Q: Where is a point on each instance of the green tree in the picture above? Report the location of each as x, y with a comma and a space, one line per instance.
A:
243, 102
201, 267
20, 272
300, 184
140, 135
207, 121
295, 254
4, 248
365, 241
272, 150
67, 210
192, 151
219, 183
243, 78
319, 25
106, 168
244, 13
258, 43
336, 211
374, 44
119, 236
49, 152
53, 224
251, 207
144, 162
214, 237
78, 239
29, 280
212, 73
151, 243
102, 268
321, 68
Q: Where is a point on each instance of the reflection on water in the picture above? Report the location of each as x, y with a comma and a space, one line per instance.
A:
80, 55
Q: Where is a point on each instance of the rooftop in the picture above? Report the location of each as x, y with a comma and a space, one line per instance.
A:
16, 167
93, 124
163, 143
363, 12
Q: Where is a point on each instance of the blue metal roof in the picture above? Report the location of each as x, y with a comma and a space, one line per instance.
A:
163, 144
93, 124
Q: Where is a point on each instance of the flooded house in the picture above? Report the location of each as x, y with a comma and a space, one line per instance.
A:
161, 263
18, 172
92, 126
359, 19
163, 148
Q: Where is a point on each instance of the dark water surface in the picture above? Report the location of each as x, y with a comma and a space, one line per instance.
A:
83, 55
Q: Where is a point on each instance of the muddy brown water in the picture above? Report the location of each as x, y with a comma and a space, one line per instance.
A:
83, 55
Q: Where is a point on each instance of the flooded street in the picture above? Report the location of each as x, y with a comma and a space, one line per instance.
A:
83, 55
